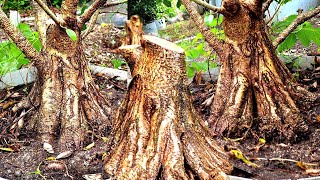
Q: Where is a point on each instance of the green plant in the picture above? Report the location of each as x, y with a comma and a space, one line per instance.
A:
117, 63
196, 47
15, 5
146, 9
11, 57
38, 172
305, 33
166, 11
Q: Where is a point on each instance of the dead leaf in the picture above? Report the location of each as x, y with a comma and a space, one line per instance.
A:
8, 104
105, 139
89, 146
315, 84
313, 171
64, 154
198, 77
7, 149
51, 158
97, 176
48, 147
302, 165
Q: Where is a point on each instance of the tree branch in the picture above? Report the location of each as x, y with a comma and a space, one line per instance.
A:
300, 19
50, 13
216, 44
92, 22
40, 17
114, 3
69, 11
275, 12
17, 37
209, 6
266, 5
89, 12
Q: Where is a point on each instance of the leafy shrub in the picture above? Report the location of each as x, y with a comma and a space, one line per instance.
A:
15, 4
11, 57
305, 33
195, 48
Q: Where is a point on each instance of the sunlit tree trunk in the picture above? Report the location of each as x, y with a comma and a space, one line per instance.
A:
157, 133
255, 91
66, 97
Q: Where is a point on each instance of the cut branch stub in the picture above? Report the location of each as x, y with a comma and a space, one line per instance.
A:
157, 133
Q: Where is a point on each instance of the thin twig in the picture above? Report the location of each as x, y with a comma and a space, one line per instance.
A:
276, 12
288, 160
85, 17
300, 19
266, 5
92, 22
50, 13
115, 3
113, 12
209, 6
40, 17
22, 115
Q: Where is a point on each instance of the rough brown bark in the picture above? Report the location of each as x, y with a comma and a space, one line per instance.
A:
68, 101
157, 133
254, 89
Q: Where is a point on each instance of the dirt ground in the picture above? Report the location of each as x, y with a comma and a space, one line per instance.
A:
269, 160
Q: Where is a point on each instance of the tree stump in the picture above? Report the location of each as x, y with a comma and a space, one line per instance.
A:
157, 132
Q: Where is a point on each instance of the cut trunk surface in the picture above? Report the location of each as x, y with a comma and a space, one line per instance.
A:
255, 89
157, 133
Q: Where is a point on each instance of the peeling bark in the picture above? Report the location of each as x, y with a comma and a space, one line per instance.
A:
157, 133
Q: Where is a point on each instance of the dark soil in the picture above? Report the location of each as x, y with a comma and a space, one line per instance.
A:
273, 160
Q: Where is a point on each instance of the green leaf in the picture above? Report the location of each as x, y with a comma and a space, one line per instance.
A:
288, 43
208, 20
167, 3
71, 34
178, 3
117, 63
305, 36
190, 71
308, 33
281, 25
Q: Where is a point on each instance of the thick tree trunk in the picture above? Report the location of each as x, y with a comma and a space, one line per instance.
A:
70, 100
65, 95
157, 133
255, 89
